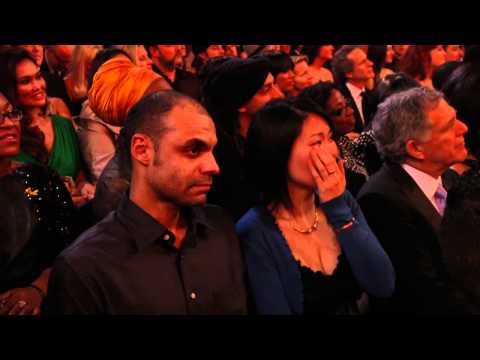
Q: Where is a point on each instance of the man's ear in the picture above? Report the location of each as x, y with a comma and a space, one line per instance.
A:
415, 150
348, 75
142, 149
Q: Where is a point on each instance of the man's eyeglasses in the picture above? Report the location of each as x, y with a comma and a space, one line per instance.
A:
15, 115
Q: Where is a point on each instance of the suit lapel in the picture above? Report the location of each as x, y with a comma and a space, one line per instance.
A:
415, 195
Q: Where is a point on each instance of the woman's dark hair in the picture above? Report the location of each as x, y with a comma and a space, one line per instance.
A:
390, 85
269, 144
472, 54
320, 94
224, 118
377, 54
441, 75
32, 138
462, 90
394, 83
312, 52
102, 57
417, 61
279, 63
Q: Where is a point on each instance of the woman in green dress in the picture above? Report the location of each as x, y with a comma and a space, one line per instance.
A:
46, 139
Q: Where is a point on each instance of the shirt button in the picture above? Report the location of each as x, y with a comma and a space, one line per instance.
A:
166, 237
193, 296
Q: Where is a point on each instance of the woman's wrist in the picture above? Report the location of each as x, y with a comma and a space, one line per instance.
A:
345, 226
39, 290
338, 211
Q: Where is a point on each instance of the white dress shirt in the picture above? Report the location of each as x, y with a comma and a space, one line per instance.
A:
425, 182
356, 91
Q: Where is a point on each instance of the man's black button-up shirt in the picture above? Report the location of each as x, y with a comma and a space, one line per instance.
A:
127, 264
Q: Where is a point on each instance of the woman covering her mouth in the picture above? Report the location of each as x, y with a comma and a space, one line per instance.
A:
307, 245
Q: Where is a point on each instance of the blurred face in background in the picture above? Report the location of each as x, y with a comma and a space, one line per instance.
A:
36, 51
231, 50
287, 49
9, 129
326, 52
267, 92
142, 57
303, 78
438, 56
400, 50
59, 57
454, 52
341, 113
166, 55
214, 51
31, 87
285, 81
362, 67
389, 55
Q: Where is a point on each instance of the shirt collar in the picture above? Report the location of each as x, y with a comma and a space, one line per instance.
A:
354, 90
145, 230
425, 182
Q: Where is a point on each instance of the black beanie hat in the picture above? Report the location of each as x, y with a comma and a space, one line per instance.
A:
197, 49
233, 82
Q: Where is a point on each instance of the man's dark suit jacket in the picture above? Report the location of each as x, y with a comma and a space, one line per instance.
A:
407, 226
359, 125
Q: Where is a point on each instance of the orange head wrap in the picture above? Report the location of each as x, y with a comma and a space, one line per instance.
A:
117, 86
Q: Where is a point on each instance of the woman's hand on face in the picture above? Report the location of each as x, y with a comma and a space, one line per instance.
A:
20, 301
329, 175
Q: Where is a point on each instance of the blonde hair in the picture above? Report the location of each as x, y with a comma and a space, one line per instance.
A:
82, 57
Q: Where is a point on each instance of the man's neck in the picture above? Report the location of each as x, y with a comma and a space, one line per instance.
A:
303, 201
168, 71
426, 168
244, 121
166, 213
358, 84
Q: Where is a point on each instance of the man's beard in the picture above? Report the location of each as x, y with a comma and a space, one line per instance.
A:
169, 65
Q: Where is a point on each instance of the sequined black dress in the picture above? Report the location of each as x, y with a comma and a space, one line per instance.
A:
37, 221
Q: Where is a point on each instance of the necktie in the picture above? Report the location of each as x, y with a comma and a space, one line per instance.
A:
440, 198
361, 109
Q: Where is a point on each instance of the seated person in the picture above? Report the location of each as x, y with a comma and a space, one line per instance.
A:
37, 221
46, 139
308, 247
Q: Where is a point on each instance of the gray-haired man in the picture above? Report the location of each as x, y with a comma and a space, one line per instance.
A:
420, 137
